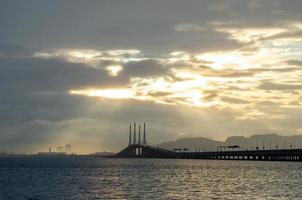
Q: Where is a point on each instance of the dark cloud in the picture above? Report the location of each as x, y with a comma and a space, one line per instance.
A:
34, 74
276, 70
268, 103
144, 68
210, 95
233, 100
278, 86
10, 50
133, 23
294, 34
224, 73
294, 62
106, 24
159, 94
37, 89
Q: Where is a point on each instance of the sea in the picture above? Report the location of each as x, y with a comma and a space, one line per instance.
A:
84, 177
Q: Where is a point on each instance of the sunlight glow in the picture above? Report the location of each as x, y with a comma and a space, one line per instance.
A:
251, 34
123, 52
90, 56
222, 59
114, 69
191, 97
106, 93
195, 97
243, 60
84, 54
202, 79
178, 56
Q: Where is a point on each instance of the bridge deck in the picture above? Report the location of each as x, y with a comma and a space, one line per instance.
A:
144, 151
268, 155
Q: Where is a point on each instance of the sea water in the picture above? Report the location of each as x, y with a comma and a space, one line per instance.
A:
39, 178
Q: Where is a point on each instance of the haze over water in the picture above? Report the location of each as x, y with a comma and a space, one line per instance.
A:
96, 178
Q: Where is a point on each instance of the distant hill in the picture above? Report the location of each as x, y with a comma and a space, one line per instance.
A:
265, 141
193, 144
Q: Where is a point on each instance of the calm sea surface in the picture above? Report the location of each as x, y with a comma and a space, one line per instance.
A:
97, 178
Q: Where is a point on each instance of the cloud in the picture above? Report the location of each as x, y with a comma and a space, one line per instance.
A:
224, 73
210, 95
255, 4
90, 57
247, 35
268, 103
9, 50
294, 62
220, 6
279, 86
234, 100
146, 67
189, 27
32, 74
92, 30
123, 62
225, 62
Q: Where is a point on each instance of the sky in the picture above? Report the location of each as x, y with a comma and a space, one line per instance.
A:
79, 72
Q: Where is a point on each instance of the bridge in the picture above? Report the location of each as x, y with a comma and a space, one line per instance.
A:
264, 155
140, 149
145, 151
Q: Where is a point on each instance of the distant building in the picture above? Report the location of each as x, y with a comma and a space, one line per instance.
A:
51, 153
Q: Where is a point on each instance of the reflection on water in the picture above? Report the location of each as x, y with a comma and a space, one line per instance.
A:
97, 178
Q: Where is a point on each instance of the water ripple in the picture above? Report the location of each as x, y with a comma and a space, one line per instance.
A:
95, 178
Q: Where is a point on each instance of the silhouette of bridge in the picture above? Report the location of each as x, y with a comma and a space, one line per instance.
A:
140, 149
145, 151
264, 155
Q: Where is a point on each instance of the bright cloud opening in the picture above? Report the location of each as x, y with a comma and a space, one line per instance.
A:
105, 93
251, 34
114, 69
